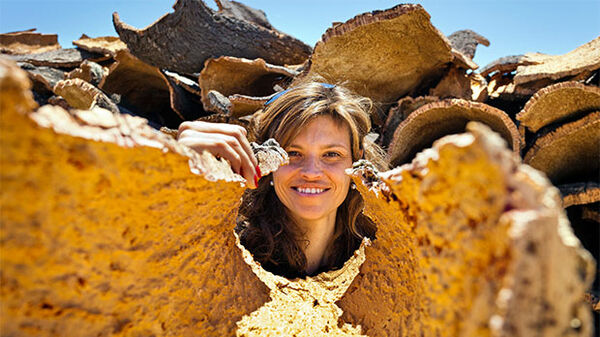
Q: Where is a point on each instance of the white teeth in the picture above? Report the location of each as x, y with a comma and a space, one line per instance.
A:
310, 190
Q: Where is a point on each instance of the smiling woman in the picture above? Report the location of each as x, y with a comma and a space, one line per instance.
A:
306, 217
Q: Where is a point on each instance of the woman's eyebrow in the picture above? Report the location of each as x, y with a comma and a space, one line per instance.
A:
326, 146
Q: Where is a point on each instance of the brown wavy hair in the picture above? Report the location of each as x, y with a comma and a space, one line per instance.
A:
264, 226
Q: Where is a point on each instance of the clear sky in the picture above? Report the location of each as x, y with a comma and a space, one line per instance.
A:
512, 26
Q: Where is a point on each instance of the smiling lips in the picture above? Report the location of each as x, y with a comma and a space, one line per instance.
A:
310, 190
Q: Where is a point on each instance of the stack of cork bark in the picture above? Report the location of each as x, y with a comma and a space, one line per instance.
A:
110, 227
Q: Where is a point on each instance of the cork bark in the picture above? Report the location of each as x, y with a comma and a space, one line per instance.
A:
111, 228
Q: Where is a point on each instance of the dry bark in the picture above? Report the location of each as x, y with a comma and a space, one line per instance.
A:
580, 60
242, 12
434, 120
183, 40
28, 42
568, 152
580, 193
89, 71
383, 55
60, 58
143, 89
466, 41
232, 75
558, 102
108, 45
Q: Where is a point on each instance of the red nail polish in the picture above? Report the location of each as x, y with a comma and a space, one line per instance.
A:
256, 181
258, 171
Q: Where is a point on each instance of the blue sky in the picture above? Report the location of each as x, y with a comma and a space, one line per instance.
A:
512, 26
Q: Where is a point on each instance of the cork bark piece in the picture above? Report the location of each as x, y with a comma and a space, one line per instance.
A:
105, 231
106, 45
569, 151
183, 40
60, 58
438, 119
44, 78
89, 71
479, 241
466, 41
232, 75
399, 112
505, 64
28, 42
183, 101
78, 93
583, 58
383, 55
143, 89
240, 11
456, 83
502, 86
558, 102
243, 105
580, 193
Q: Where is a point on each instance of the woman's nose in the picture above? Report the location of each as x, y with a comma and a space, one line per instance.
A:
311, 167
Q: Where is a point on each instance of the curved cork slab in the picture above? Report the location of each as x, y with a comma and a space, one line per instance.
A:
399, 112
78, 93
89, 71
383, 55
143, 89
558, 102
505, 64
127, 241
438, 119
28, 42
183, 98
233, 75
44, 78
583, 58
59, 58
466, 41
459, 229
580, 193
569, 151
109, 45
183, 40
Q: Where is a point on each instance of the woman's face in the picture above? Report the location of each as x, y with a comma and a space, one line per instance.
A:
314, 184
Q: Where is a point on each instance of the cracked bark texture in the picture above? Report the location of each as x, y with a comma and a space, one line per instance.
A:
181, 41
105, 231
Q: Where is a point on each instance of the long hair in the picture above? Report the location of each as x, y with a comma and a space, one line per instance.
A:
265, 228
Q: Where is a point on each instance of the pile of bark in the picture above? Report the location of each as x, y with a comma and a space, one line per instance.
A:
196, 63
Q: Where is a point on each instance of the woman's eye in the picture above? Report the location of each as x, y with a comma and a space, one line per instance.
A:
293, 153
332, 154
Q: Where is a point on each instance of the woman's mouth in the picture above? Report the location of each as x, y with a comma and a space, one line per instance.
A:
310, 190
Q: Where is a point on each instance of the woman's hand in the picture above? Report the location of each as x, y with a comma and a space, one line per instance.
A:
225, 140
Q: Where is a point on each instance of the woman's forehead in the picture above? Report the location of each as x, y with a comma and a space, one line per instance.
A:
324, 131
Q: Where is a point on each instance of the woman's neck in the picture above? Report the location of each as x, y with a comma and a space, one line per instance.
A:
318, 233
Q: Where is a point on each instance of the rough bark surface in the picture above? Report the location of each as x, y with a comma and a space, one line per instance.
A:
142, 88
181, 41
444, 118
28, 42
581, 59
383, 55
105, 231
232, 75
103, 45
569, 151
558, 102
65, 58
466, 41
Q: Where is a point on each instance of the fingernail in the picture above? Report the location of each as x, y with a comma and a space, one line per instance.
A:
258, 171
256, 181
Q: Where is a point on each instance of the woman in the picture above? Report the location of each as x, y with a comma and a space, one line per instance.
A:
307, 216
